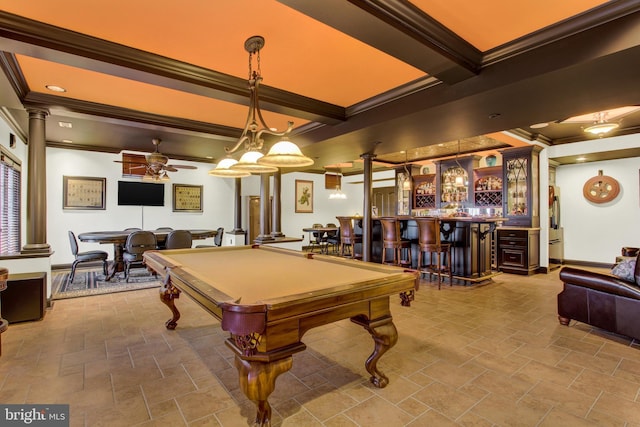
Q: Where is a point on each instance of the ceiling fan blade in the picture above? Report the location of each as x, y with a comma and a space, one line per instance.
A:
170, 168
130, 163
182, 166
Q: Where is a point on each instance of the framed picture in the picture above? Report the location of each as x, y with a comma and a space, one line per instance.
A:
187, 198
83, 192
304, 196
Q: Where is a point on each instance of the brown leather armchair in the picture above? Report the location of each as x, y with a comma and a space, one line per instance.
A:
602, 300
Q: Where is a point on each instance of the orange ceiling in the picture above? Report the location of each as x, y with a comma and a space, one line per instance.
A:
490, 23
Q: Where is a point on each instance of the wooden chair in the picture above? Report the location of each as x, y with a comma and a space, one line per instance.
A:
392, 240
87, 256
347, 237
137, 243
430, 243
178, 239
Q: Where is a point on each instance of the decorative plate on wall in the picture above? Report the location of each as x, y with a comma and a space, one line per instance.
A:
601, 188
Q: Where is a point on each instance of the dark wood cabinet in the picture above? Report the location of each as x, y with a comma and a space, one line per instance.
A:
518, 250
424, 191
487, 187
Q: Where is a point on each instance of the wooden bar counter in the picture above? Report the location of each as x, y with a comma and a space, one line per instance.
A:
471, 239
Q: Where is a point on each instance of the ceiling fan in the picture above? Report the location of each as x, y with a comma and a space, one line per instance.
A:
155, 164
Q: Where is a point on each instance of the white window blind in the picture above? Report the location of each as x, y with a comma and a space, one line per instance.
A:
9, 203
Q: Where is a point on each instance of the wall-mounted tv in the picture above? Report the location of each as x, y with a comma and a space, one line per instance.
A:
133, 193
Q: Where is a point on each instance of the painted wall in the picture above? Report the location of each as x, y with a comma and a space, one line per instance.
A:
596, 232
217, 198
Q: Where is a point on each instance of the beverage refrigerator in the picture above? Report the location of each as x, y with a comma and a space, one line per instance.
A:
556, 235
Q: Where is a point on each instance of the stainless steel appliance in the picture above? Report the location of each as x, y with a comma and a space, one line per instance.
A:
556, 232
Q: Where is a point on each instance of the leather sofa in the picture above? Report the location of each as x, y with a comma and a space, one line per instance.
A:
601, 300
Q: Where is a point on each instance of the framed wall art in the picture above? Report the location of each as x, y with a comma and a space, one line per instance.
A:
304, 196
83, 192
187, 198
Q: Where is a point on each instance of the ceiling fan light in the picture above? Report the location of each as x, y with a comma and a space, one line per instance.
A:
601, 128
249, 163
223, 170
285, 154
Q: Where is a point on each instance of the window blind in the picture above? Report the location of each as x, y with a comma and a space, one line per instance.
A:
10, 185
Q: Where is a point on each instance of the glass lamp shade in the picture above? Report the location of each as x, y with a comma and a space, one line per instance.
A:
337, 195
249, 163
223, 170
285, 154
601, 128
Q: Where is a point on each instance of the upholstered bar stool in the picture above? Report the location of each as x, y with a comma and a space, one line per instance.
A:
392, 240
430, 243
347, 237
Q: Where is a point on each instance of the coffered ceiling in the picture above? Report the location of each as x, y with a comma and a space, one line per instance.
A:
407, 80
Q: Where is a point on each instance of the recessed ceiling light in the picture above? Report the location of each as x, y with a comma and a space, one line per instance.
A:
65, 125
68, 141
581, 159
54, 88
539, 125
209, 157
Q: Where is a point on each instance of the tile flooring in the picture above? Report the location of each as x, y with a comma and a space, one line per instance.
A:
488, 355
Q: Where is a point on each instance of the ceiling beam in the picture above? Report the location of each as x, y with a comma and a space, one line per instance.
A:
401, 30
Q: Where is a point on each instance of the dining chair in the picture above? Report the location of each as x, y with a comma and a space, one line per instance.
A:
161, 242
178, 239
332, 238
348, 239
137, 243
317, 239
430, 243
217, 240
87, 256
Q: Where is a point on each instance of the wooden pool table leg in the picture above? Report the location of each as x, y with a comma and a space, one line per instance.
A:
385, 336
258, 380
168, 295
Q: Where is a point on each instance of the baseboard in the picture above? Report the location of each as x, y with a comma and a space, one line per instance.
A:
96, 264
588, 263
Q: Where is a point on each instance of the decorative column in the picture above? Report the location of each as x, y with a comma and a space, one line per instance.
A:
4, 325
276, 219
237, 223
264, 209
37, 183
367, 222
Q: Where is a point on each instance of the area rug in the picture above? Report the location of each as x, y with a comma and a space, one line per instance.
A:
92, 282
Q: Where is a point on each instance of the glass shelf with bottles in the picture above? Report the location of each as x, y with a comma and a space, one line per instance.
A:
455, 182
516, 173
488, 192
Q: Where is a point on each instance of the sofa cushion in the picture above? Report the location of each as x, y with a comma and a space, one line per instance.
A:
625, 269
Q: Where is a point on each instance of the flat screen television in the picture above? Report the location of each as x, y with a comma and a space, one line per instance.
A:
133, 193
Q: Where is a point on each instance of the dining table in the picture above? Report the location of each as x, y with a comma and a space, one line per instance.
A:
119, 238
322, 233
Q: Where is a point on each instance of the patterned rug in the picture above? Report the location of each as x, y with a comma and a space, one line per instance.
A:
91, 282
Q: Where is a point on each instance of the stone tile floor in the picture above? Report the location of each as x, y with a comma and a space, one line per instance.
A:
484, 355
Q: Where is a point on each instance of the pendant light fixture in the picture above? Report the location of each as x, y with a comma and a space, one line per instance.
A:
283, 153
223, 170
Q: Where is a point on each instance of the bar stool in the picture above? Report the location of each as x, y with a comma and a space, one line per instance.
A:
430, 243
347, 236
392, 239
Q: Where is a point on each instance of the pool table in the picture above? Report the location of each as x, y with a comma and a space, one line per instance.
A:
267, 298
